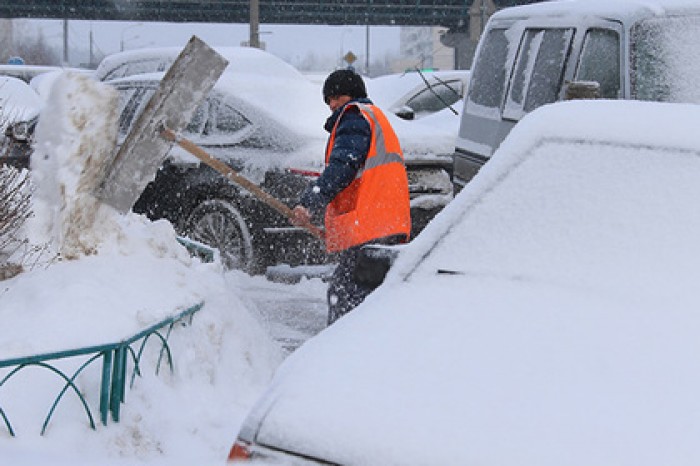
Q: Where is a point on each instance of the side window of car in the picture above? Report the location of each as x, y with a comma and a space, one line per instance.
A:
135, 99
539, 70
438, 97
117, 72
199, 120
489, 75
600, 61
128, 102
143, 66
548, 73
229, 120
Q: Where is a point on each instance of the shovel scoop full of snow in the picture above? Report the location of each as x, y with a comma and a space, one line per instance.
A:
188, 81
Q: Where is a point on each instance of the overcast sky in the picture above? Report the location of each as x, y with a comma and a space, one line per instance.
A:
289, 42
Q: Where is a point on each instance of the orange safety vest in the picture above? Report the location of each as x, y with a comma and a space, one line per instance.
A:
376, 203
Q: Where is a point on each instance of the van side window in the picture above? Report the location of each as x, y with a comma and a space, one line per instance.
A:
600, 61
548, 71
539, 70
488, 80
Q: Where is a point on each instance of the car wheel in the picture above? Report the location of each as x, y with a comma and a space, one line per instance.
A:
219, 224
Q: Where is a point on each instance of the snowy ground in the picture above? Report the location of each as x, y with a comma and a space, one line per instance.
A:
191, 417
104, 276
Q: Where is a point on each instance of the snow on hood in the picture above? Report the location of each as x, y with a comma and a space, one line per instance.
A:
426, 139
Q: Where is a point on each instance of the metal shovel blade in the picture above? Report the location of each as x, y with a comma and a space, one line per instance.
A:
188, 81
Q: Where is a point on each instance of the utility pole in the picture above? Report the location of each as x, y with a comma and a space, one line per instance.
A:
367, 49
92, 54
65, 42
254, 24
483, 17
367, 13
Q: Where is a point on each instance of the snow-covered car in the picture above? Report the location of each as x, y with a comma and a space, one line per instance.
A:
548, 315
417, 94
19, 108
268, 126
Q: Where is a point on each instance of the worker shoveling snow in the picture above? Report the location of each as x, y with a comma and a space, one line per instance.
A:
105, 276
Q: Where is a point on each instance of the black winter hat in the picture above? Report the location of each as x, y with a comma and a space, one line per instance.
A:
344, 82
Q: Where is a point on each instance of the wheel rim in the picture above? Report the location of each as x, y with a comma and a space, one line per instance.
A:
220, 225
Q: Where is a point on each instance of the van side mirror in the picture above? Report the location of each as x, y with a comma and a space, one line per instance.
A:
581, 90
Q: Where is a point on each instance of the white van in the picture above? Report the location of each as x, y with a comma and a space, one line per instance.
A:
528, 55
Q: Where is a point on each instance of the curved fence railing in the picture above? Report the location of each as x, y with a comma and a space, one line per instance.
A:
114, 358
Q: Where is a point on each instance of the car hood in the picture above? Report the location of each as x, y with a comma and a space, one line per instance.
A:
476, 369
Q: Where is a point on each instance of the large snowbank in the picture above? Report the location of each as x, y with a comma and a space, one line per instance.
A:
105, 276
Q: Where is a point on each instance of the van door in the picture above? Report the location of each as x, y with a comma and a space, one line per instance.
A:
538, 73
600, 60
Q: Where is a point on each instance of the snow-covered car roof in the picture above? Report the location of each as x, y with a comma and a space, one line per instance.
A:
629, 10
156, 59
18, 101
547, 316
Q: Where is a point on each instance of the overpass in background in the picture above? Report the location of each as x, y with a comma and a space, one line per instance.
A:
448, 13
462, 19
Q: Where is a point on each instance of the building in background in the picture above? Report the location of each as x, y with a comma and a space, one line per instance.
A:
421, 47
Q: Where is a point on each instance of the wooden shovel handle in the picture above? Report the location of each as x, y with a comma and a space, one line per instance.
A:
237, 178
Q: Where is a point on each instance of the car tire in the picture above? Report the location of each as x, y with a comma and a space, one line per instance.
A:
219, 223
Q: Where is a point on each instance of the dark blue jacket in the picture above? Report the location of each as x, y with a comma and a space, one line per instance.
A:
352, 141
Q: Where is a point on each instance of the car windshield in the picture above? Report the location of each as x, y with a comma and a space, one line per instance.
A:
666, 59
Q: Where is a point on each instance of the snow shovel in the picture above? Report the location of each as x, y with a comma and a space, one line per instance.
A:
184, 86
235, 177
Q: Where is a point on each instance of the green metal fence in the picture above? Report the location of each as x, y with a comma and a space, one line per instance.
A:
114, 358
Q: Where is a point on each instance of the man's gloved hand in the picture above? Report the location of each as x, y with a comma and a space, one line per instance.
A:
301, 216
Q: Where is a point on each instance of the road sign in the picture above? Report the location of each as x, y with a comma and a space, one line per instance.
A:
350, 58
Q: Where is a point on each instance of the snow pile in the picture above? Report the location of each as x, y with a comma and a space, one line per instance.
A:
114, 275
75, 137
